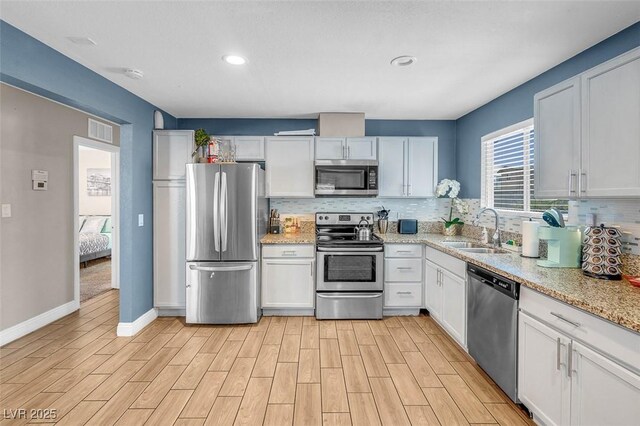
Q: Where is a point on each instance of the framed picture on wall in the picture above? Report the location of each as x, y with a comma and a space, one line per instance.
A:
99, 182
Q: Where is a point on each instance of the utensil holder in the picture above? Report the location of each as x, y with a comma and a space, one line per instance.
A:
383, 225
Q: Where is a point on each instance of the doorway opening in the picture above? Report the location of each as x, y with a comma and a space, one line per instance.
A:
96, 208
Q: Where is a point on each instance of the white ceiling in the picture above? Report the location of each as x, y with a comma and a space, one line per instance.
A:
307, 57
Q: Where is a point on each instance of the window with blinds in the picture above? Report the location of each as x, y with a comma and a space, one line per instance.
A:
508, 165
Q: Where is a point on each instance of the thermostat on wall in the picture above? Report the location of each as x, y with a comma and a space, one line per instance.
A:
39, 178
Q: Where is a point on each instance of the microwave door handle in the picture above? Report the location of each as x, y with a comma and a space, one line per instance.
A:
216, 208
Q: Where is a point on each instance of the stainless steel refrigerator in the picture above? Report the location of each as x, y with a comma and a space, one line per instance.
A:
226, 217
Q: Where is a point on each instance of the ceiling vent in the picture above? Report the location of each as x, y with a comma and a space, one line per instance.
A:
100, 131
133, 73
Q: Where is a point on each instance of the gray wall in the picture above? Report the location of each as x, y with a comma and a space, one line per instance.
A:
36, 243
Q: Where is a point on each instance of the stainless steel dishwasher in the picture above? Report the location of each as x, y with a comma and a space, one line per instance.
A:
492, 326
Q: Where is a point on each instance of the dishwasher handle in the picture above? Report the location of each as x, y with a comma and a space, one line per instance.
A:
504, 286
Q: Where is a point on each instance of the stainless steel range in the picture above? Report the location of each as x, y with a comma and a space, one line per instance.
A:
350, 270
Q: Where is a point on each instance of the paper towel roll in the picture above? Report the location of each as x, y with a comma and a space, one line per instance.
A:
530, 239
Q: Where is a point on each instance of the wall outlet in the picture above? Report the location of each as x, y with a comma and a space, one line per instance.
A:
140, 219
6, 210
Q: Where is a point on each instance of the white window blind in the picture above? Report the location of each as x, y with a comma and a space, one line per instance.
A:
508, 171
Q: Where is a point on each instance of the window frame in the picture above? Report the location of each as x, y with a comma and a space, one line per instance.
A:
484, 195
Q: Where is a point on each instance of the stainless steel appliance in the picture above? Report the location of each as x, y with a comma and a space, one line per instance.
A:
226, 216
492, 326
346, 178
349, 271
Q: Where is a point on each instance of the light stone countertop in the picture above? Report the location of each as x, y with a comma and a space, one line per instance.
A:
299, 238
616, 301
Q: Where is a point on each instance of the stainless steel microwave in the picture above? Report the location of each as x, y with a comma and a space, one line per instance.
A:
346, 178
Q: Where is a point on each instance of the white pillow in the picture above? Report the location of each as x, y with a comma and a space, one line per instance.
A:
93, 225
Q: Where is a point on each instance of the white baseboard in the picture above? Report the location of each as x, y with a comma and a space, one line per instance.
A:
132, 328
32, 324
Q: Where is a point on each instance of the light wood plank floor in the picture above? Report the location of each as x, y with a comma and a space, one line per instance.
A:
283, 370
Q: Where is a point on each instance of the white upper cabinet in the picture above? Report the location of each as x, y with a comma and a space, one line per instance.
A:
364, 148
422, 167
289, 167
330, 148
407, 167
172, 151
249, 148
587, 141
392, 176
611, 128
557, 140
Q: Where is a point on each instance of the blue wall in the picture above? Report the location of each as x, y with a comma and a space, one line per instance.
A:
517, 104
445, 130
31, 65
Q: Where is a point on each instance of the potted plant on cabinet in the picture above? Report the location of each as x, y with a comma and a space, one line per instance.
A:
201, 139
449, 188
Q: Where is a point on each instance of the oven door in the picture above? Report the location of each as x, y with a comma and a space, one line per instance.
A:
339, 177
343, 270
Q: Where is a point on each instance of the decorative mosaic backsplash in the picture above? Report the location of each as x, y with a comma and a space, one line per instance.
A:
430, 209
622, 213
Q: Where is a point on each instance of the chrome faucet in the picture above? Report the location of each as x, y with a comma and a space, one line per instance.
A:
496, 235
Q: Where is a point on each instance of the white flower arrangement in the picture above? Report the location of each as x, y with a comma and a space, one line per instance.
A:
450, 188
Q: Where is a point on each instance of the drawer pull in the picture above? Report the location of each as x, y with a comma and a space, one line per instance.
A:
403, 292
560, 317
404, 251
404, 268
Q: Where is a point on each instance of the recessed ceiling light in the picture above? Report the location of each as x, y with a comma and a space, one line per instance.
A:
234, 59
133, 73
404, 61
86, 41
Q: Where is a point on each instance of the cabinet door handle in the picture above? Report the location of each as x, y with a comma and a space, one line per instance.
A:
403, 292
569, 359
344, 151
404, 268
560, 317
404, 251
583, 181
558, 363
572, 174
348, 151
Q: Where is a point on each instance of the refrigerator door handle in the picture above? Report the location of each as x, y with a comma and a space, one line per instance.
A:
220, 268
223, 211
216, 207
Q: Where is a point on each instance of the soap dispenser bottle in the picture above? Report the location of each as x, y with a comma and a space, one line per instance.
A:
485, 236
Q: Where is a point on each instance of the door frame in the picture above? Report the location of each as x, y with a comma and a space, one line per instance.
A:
114, 150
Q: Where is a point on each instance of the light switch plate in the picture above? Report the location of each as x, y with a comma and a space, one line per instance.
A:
6, 210
140, 219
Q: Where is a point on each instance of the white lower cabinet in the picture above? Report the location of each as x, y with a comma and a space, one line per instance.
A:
169, 245
403, 278
446, 298
433, 291
542, 371
288, 281
564, 380
454, 305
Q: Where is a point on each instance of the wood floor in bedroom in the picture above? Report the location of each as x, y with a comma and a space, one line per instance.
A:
283, 370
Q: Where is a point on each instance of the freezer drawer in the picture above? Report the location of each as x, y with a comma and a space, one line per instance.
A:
222, 293
349, 305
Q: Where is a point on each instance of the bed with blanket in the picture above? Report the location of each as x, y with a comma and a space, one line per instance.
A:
94, 238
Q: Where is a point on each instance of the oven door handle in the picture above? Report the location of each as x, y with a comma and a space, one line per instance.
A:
349, 296
350, 250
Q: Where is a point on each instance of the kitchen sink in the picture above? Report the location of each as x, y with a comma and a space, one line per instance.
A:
462, 244
483, 250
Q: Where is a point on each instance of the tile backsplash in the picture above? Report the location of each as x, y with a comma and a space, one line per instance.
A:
622, 213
